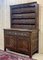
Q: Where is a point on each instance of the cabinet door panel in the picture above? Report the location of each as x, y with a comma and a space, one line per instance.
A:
23, 44
10, 41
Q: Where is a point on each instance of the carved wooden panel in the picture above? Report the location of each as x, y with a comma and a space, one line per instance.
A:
10, 42
23, 43
23, 35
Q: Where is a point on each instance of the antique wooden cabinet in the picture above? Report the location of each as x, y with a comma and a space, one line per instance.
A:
22, 37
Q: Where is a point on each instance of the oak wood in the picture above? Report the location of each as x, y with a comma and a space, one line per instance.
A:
23, 35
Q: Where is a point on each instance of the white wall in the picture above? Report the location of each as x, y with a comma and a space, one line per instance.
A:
5, 19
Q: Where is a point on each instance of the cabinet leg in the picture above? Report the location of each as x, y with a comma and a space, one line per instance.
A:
5, 49
30, 55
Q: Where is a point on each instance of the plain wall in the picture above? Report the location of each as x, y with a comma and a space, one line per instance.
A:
5, 19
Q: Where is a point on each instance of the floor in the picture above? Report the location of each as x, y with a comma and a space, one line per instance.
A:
35, 56
38, 56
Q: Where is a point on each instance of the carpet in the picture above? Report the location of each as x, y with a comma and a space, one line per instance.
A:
11, 56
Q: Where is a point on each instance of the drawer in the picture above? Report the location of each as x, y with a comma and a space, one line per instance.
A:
19, 33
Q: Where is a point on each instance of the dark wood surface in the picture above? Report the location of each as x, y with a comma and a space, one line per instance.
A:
24, 16
23, 35
21, 41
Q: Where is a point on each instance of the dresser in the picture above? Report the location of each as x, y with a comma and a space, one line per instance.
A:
23, 36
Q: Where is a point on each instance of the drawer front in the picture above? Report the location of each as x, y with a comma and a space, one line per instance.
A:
19, 33
23, 44
10, 41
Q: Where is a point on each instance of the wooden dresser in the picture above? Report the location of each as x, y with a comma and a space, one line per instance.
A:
22, 37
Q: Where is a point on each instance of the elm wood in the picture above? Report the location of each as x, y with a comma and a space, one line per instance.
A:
9, 41
25, 5
24, 12
17, 32
23, 21
22, 41
37, 24
23, 26
23, 38
30, 15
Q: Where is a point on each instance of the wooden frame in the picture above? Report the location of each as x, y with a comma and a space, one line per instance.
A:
24, 23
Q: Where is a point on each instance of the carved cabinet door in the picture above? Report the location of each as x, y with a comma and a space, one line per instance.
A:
10, 42
23, 44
